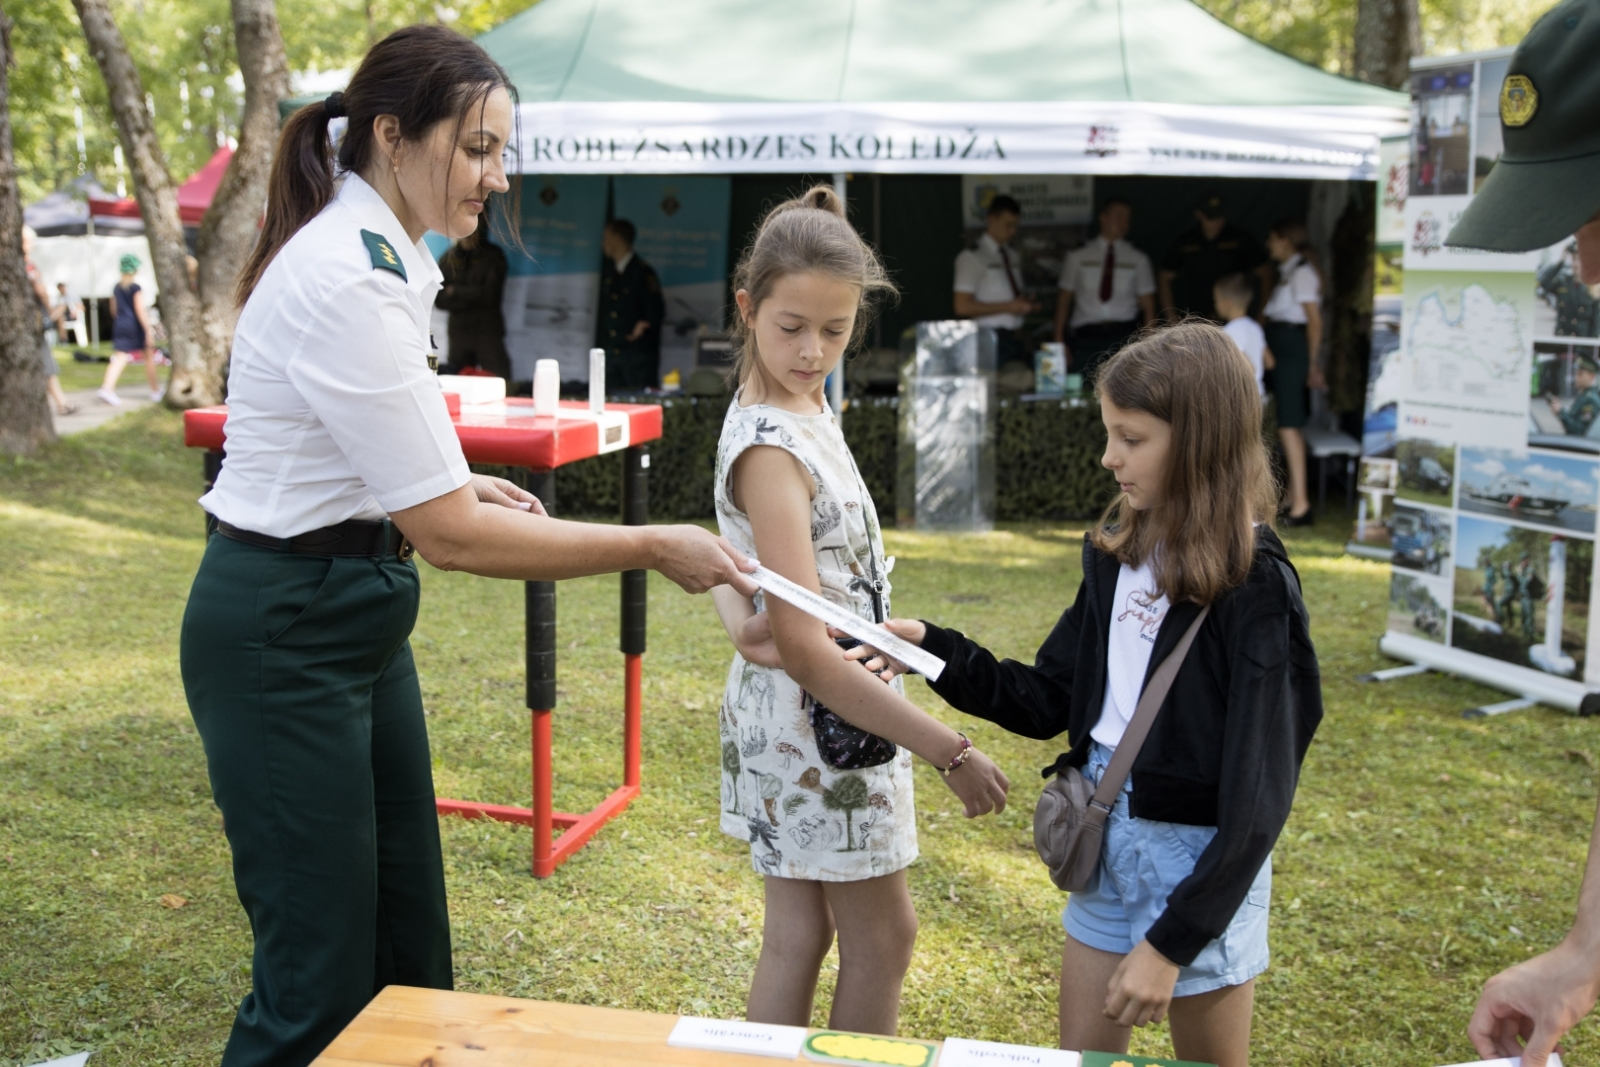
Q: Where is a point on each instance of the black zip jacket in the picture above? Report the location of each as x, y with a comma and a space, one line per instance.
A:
1226, 749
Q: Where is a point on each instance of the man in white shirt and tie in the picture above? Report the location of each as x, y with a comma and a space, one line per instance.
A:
1107, 292
988, 285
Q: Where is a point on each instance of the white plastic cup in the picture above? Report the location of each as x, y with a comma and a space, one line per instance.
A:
597, 379
546, 387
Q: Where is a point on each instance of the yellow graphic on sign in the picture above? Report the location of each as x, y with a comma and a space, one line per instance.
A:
860, 1049
1518, 100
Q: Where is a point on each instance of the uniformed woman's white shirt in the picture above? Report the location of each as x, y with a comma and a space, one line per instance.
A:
1298, 285
333, 412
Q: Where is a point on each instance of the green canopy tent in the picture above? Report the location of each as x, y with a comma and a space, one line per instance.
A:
926, 86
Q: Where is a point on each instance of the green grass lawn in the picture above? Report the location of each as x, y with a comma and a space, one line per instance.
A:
1425, 851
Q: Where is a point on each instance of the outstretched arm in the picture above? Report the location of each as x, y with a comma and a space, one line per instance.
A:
1526, 1009
480, 529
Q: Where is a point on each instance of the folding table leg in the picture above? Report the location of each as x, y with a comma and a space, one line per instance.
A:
635, 600
540, 604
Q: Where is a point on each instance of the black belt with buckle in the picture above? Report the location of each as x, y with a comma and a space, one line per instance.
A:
353, 538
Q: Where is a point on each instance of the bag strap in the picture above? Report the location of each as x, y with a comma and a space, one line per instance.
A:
1144, 716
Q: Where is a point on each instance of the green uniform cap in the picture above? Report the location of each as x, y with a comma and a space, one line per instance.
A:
1547, 182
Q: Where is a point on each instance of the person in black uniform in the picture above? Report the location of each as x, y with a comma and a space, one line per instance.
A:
474, 273
1214, 247
631, 311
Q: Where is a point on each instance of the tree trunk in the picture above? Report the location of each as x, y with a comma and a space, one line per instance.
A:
25, 422
1388, 34
152, 183
228, 231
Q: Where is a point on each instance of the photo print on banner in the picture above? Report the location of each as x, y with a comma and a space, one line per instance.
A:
1522, 595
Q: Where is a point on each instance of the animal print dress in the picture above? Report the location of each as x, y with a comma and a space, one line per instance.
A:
802, 818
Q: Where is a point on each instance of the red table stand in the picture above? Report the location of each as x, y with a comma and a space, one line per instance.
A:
508, 434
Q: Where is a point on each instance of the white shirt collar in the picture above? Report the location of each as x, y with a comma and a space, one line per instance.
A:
1287, 267
987, 243
622, 264
376, 215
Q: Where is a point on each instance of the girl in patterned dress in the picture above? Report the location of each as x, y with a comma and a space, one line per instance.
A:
832, 844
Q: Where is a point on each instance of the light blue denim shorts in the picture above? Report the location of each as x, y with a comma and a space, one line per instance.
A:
1141, 863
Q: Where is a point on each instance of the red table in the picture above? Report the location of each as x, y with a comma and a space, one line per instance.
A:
509, 434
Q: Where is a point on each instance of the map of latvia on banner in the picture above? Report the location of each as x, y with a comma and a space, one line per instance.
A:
1464, 360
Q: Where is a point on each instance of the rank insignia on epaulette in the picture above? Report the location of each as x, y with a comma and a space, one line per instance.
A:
384, 257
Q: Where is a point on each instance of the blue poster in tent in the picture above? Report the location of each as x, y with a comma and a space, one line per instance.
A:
683, 234
553, 280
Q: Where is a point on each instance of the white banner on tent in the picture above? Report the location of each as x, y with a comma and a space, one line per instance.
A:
954, 138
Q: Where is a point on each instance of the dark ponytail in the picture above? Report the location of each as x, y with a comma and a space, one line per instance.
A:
423, 75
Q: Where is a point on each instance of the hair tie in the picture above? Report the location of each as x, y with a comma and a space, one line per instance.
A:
333, 107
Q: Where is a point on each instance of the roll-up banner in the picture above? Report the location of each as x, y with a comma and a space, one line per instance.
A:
1494, 471
553, 280
1012, 137
682, 225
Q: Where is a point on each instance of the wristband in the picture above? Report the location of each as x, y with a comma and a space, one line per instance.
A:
961, 757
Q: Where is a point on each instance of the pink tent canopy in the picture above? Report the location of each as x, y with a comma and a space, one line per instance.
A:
194, 195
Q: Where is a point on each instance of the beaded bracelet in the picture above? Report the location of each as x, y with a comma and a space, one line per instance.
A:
961, 757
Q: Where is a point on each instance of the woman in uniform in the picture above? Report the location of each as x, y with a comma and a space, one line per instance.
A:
341, 456
1294, 332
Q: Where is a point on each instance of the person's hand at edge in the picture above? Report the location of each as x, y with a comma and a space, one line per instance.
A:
1141, 989
979, 784
698, 560
882, 664
506, 494
1526, 1009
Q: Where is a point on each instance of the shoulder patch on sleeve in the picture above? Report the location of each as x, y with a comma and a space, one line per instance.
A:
384, 257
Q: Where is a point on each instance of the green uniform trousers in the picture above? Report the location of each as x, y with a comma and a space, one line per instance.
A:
631, 370
299, 676
1291, 352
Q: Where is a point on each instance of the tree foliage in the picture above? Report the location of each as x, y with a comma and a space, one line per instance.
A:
188, 62
1322, 32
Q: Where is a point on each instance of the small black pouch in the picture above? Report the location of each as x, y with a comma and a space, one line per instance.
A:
842, 746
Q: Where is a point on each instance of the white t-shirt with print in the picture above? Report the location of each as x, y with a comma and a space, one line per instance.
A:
1135, 620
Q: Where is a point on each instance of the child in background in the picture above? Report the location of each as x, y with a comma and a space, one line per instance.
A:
831, 835
1232, 295
1176, 918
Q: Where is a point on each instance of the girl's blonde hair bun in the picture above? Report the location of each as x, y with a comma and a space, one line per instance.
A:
808, 234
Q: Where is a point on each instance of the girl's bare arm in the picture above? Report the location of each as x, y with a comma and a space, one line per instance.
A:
772, 488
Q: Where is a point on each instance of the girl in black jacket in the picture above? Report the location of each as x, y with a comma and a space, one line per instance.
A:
1178, 917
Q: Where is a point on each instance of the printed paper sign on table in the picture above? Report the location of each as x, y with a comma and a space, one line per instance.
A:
959, 1052
723, 1035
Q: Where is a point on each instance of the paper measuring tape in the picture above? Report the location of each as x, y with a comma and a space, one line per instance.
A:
925, 663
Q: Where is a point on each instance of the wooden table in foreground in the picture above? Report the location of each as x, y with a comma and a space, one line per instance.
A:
406, 1027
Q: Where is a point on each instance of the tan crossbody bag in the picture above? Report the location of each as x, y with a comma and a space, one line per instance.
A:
1069, 822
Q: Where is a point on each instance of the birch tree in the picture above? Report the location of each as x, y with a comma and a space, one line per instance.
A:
199, 324
1387, 34
25, 421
